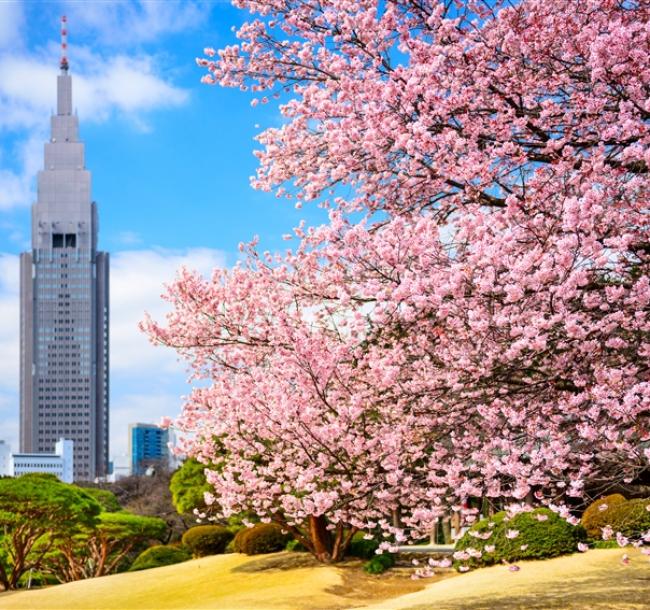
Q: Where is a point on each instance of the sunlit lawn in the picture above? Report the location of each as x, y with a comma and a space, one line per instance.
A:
293, 581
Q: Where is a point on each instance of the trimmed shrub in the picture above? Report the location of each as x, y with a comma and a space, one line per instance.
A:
379, 563
296, 546
160, 555
605, 544
205, 540
361, 548
594, 519
261, 538
238, 540
631, 517
550, 537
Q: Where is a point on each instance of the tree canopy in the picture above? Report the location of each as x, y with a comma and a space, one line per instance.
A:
37, 512
473, 321
188, 486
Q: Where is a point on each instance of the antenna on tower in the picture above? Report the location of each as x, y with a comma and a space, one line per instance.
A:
64, 43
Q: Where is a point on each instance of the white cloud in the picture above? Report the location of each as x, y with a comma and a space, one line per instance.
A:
9, 348
16, 186
137, 279
131, 23
9, 326
147, 408
130, 86
100, 86
12, 20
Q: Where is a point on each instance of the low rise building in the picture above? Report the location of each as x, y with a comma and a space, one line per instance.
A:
59, 463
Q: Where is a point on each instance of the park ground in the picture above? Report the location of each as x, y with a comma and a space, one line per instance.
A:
292, 581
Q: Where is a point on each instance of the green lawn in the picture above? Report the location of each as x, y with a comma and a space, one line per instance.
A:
292, 581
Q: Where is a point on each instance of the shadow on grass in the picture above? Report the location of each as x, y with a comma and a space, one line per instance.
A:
605, 589
281, 561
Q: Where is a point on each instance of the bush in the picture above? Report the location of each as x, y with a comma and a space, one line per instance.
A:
261, 538
540, 539
605, 544
160, 555
361, 548
205, 540
594, 519
379, 563
631, 517
296, 546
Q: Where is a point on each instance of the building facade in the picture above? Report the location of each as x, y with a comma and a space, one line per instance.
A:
59, 463
64, 375
148, 447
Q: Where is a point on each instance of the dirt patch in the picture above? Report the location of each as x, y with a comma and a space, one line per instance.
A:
357, 586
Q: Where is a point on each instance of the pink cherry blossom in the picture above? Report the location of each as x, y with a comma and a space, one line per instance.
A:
582, 547
511, 534
622, 540
472, 319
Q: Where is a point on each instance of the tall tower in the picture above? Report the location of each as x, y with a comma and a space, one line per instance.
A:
64, 303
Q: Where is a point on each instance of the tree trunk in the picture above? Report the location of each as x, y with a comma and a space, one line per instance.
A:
446, 531
321, 538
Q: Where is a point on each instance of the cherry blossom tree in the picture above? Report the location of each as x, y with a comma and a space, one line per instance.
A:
482, 331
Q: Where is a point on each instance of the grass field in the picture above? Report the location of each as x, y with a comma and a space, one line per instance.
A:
292, 581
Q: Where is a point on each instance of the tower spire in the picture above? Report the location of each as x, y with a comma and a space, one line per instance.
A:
64, 82
64, 43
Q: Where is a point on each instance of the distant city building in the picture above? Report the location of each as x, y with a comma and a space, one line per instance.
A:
175, 459
121, 467
5, 456
148, 447
59, 463
64, 349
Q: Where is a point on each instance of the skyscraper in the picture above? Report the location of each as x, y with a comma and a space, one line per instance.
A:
64, 304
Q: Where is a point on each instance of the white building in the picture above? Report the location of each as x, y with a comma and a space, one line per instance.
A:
59, 463
5, 456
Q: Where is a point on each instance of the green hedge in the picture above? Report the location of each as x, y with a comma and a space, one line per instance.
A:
379, 563
261, 538
205, 540
362, 548
550, 537
296, 546
160, 555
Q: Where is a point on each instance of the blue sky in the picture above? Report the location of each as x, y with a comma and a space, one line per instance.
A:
170, 159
